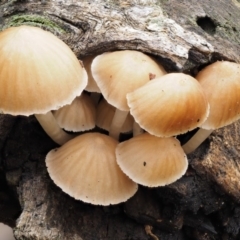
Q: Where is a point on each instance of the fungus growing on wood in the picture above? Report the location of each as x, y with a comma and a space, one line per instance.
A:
120, 72
220, 82
78, 116
86, 169
38, 73
169, 105
152, 161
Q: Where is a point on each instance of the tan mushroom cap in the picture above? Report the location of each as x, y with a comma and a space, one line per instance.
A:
38, 72
80, 115
92, 85
152, 161
120, 72
105, 113
86, 169
170, 105
221, 84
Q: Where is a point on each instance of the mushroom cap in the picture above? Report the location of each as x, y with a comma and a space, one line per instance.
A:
86, 169
78, 116
105, 114
221, 83
38, 72
120, 72
152, 161
170, 105
92, 85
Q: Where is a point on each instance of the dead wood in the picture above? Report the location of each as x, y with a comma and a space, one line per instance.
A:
184, 36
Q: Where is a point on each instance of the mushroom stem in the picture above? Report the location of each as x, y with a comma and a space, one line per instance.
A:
196, 140
95, 96
50, 126
117, 123
137, 130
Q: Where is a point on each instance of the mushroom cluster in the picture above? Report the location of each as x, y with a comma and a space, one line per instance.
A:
120, 92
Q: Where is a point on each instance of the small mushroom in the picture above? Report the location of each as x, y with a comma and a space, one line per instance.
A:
78, 116
38, 73
120, 72
92, 86
220, 82
152, 161
137, 130
105, 114
169, 105
86, 169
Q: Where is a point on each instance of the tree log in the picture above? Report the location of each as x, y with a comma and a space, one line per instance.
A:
184, 36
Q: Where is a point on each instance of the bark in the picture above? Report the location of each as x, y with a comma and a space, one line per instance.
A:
184, 36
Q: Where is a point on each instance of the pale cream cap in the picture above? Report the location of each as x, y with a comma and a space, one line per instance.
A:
120, 72
78, 116
152, 161
86, 169
170, 105
38, 72
92, 85
221, 84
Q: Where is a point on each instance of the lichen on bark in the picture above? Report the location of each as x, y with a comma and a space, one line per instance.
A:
33, 20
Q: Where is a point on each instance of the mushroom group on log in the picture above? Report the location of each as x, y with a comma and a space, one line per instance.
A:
183, 36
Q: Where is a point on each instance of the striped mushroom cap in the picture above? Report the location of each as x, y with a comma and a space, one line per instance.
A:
38, 72
170, 105
86, 169
78, 116
120, 72
221, 84
152, 161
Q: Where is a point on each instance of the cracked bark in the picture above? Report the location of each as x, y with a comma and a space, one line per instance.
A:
184, 36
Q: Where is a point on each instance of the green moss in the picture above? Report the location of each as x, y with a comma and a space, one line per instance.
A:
33, 20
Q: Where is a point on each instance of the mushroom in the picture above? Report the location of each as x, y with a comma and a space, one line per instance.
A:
92, 86
105, 114
169, 105
79, 116
220, 82
137, 130
152, 161
38, 73
86, 169
118, 73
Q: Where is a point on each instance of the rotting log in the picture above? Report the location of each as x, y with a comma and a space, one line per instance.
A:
184, 36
